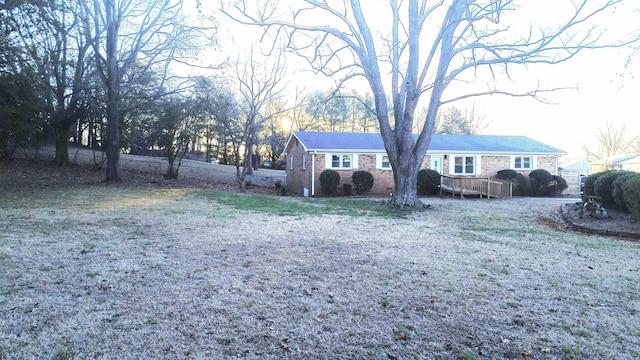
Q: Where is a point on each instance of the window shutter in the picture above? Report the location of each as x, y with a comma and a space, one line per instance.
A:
327, 161
534, 162
477, 169
354, 165
379, 161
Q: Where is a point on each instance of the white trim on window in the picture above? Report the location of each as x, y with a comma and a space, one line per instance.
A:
341, 161
382, 162
304, 161
464, 164
524, 162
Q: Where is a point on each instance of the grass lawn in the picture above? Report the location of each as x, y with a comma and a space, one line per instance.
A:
105, 272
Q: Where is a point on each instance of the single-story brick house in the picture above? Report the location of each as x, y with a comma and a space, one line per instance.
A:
308, 154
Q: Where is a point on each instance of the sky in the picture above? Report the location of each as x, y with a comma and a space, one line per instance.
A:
601, 85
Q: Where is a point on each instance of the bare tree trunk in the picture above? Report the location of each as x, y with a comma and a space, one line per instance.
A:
62, 144
113, 94
405, 175
248, 163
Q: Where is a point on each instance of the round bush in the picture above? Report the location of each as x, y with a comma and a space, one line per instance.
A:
428, 182
561, 183
603, 187
617, 189
507, 174
521, 186
539, 178
557, 185
590, 182
329, 181
631, 189
362, 180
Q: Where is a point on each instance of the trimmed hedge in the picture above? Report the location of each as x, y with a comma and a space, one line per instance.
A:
590, 182
428, 182
540, 179
507, 174
362, 180
603, 186
617, 190
521, 184
329, 181
631, 189
555, 188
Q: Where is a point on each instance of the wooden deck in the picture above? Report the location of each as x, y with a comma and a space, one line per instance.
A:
478, 187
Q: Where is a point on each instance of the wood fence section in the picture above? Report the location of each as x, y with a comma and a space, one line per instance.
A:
487, 187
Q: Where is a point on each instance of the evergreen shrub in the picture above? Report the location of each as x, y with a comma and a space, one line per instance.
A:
428, 182
603, 186
362, 181
329, 181
540, 179
617, 189
631, 189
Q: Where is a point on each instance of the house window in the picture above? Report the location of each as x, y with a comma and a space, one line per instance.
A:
304, 161
522, 162
291, 163
341, 161
382, 161
464, 165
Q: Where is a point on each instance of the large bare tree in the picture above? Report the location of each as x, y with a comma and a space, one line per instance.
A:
127, 35
51, 35
612, 141
415, 50
259, 84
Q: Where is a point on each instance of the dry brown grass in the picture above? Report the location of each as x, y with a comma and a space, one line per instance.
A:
127, 272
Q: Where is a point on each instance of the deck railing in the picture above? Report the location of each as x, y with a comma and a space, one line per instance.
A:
488, 187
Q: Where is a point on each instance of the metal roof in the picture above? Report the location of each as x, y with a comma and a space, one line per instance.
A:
440, 143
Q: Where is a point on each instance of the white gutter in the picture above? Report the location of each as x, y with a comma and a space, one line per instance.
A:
313, 173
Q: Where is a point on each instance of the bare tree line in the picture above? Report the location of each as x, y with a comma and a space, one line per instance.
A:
100, 74
426, 47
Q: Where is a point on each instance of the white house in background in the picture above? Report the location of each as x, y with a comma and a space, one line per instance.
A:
624, 162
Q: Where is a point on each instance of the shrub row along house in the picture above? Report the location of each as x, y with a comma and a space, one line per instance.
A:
308, 154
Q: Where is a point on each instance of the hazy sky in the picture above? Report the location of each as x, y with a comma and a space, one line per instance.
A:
602, 82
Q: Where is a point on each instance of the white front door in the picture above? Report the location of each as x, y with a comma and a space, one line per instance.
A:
436, 163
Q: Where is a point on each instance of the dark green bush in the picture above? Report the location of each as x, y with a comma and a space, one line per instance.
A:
618, 192
561, 183
631, 189
428, 182
362, 180
507, 174
555, 188
590, 182
540, 179
603, 187
329, 181
521, 186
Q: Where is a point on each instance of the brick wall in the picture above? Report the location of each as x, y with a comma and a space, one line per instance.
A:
382, 179
547, 163
297, 177
492, 164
